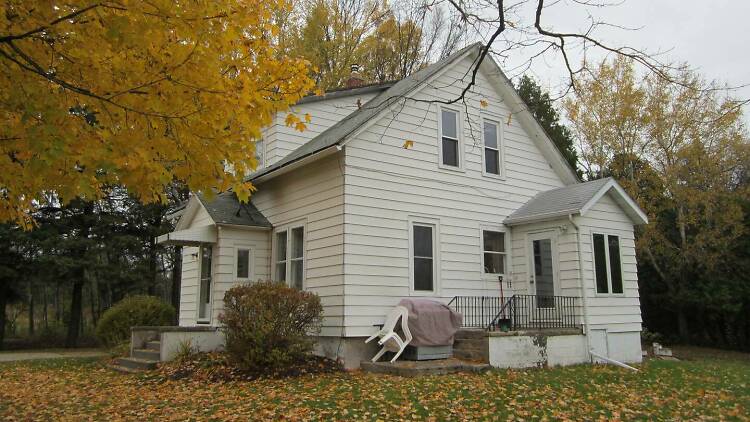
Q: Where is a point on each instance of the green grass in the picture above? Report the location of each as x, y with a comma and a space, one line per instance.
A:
84, 389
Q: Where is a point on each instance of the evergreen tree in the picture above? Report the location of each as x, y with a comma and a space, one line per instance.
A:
540, 105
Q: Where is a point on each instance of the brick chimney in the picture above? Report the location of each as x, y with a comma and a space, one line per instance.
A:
355, 79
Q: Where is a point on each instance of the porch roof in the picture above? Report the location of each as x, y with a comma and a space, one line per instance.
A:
225, 208
193, 236
575, 199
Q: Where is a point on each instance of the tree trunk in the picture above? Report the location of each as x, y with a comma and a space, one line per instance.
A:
3, 303
58, 306
45, 305
76, 312
176, 279
152, 267
682, 326
31, 308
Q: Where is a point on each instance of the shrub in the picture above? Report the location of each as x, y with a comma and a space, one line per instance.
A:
114, 325
267, 325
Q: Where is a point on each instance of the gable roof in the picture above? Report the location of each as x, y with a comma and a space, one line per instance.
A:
370, 110
341, 130
575, 199
347, 92
225, 208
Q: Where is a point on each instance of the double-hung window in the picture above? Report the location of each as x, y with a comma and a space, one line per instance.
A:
492, 148
493, 252
424, 265
607, 265
290, 256
450, 145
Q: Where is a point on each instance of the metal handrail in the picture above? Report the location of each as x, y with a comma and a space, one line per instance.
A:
522, 311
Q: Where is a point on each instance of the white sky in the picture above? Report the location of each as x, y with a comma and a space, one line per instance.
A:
712, 36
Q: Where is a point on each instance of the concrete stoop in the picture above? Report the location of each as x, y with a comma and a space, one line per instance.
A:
140, 360
407, 368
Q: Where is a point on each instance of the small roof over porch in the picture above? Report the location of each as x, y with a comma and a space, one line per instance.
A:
222, 210
575, 199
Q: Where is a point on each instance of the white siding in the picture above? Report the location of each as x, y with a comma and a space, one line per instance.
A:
314, 195
616, 313
225, 261
386, 184
324, 113
190, 273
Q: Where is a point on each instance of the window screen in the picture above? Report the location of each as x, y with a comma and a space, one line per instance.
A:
494, 252
449, 142
423, 258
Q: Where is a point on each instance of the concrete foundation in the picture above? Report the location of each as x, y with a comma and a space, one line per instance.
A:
537, 349
350, 351
172, 339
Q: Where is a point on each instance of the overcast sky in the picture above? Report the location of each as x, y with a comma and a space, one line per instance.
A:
711, 36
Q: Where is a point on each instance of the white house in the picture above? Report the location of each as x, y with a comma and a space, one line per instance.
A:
393, 191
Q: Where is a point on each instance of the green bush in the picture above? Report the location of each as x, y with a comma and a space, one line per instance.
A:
114, 325
267, 325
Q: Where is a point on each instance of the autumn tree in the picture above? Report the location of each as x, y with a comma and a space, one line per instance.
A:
136, 93
540, 105
681, 149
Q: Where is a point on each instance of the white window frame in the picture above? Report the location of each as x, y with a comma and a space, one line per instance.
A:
460, 141
250, 264
500, 147
288, 260
206, 319
435, 225
506, 240
609, 292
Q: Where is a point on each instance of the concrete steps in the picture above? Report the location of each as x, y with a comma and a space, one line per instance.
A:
140, 360
472, 345
136, 364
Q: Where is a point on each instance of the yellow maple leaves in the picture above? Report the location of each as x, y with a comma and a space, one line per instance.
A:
136, 93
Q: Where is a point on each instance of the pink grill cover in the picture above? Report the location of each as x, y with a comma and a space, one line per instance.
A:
431, 323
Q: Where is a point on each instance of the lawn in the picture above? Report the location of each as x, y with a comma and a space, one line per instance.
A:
70, 389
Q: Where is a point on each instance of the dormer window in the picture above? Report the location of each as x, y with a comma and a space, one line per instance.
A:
450, 142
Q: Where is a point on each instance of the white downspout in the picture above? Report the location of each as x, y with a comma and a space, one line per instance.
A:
581, 284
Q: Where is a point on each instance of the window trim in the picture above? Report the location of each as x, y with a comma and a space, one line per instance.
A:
607, 264
500, 147
459, 140
250, 264
506, 254
435, 225
206, 319
288, 227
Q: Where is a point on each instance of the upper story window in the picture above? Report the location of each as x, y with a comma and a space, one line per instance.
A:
607, 265
450, 142
492, 157
493, 252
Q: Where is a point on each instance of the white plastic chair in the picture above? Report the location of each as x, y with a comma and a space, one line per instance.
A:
391, 341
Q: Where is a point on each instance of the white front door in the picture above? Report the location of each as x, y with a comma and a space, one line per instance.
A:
543, 283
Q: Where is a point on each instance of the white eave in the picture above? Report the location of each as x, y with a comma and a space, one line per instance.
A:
194, 236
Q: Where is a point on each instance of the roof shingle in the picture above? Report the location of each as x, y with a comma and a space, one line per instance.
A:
225, 208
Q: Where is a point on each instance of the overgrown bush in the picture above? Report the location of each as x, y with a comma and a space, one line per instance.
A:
267, 325
114, 325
